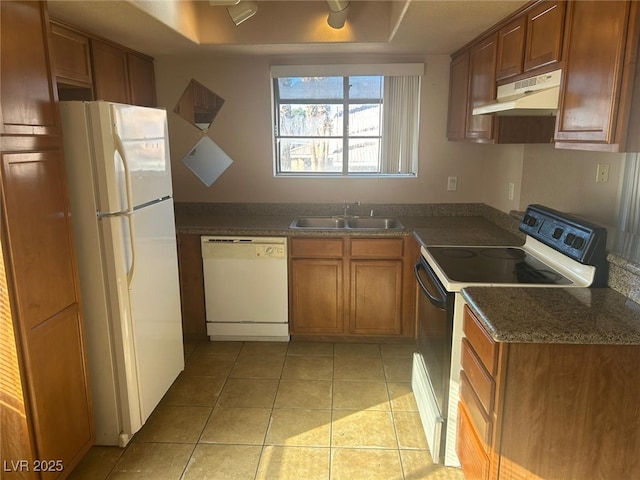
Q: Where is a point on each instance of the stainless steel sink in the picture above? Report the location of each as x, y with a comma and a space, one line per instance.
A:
318, 223
346, 223
374, 223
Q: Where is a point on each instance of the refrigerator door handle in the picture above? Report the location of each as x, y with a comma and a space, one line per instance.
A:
129, 210
132, 268
119, 146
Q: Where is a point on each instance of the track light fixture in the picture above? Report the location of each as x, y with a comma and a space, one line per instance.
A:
242, 11
338, 10
238, 11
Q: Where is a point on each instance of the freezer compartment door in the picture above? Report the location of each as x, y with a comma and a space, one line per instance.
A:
131, 155
143, 132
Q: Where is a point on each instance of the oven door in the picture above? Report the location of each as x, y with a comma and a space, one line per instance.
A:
432, 363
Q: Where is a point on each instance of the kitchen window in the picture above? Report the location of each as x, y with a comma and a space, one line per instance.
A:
346, 120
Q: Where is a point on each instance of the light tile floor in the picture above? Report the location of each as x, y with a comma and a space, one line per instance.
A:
279, 411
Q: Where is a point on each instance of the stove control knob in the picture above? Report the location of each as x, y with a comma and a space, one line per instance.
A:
557, 233
577, 243
569, 238
529, 220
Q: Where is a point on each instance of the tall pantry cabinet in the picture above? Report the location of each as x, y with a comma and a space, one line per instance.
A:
45, 399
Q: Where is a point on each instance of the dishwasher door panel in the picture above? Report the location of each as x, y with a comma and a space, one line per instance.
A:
246, 289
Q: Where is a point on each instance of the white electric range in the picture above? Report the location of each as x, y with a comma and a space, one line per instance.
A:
559, 251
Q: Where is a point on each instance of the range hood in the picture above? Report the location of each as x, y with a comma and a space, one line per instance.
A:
528, 97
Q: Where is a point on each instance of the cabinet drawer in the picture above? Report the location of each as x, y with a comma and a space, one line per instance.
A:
480, 418
317, 247
480, 380
377, 247
484, 346
473, 458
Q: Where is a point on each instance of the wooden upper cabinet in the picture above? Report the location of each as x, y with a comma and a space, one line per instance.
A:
511, 39
545, 28
458, 97
599, 90
142, 82
71, 56
531, 40
28, 106
482, 87
110, 72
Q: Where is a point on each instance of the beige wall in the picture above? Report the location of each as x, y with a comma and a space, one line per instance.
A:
561, 179
243, 130
566, 180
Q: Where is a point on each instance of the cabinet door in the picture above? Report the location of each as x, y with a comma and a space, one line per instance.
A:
482, 87
141, 80
316, 296
27, 90
35, 196
511, 40
376, 297
71, 56
545, 26
458, 97
591, 80
49, 323
110, 72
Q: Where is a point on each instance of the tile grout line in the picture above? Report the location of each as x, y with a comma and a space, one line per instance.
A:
184, 470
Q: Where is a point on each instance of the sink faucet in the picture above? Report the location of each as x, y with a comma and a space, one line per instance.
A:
345, 208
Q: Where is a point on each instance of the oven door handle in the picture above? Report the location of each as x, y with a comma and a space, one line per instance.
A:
440, 300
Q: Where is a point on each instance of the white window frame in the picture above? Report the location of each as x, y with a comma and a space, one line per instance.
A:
404, 158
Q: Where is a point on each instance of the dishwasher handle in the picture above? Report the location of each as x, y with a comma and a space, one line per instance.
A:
438, 299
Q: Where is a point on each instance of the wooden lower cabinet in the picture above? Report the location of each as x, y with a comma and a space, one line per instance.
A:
194, 326
558, 411
376, 297
317, 296
352, 286
472, 455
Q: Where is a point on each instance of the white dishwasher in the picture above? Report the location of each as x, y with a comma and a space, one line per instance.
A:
246, 288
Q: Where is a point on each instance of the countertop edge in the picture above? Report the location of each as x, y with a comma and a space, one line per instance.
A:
577, 316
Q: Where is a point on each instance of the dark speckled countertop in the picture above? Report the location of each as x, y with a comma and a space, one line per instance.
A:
556, 315
452, 226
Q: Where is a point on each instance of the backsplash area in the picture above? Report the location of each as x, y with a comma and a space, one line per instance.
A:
624, 277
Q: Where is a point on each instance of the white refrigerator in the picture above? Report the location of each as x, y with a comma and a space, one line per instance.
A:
119, 175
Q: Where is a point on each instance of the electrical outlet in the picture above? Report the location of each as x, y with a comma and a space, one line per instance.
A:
452, 184
602, 173
510, 189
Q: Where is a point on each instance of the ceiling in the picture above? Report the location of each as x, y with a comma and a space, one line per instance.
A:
184, 27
